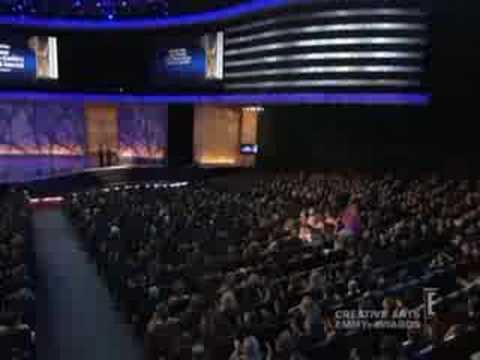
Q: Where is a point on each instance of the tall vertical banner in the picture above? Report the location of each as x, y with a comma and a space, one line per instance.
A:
102, 127
213, 47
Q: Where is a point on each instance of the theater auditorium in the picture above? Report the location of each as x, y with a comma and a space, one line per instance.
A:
238, 180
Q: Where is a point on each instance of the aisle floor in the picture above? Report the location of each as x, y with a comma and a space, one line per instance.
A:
76, 317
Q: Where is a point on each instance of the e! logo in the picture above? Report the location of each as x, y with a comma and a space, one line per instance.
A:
429, 297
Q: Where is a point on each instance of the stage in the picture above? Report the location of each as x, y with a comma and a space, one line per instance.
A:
95, 177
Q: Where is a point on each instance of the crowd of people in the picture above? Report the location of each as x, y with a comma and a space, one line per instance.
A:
17, 282
263, 273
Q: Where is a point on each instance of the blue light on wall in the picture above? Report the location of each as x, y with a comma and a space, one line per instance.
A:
416, 99
138, 24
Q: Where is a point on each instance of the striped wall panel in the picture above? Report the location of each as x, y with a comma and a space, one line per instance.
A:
351, 47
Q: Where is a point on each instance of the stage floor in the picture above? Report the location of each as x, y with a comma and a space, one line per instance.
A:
25, 169
63, 182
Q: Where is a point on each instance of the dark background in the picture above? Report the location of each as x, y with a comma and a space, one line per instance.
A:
100, 62
112, 62
180, 135
349, 137
137, 8
444, 136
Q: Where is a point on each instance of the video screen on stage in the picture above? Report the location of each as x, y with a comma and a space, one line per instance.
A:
248, 149
28, 59
199, 60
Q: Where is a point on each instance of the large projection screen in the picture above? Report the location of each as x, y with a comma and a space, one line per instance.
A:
28, 59
197, 60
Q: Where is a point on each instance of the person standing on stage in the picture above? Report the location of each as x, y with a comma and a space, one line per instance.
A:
109, 157
101, 156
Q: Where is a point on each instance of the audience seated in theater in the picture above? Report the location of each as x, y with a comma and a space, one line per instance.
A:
17, 299
261, 273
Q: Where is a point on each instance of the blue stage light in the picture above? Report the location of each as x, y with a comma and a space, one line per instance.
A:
249, 7
363, 98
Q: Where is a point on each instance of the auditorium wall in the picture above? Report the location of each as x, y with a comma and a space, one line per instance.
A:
180, 134
395, 138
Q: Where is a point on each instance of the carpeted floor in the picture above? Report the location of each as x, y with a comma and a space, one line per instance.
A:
75, 315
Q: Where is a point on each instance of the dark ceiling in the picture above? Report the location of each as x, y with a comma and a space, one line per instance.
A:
111, 8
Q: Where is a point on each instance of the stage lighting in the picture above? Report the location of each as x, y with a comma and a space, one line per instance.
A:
31, 9
78, 8
253, 108
105, 9
157, 7
19, 7
77, 5
123, 7
99, 9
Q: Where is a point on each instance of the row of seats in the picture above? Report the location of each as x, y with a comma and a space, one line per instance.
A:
17, 280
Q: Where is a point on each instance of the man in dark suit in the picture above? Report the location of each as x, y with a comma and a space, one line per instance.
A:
101, 156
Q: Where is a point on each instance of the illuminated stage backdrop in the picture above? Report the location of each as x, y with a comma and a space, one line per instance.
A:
40, 138
219, 132
142, 131
41, 129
